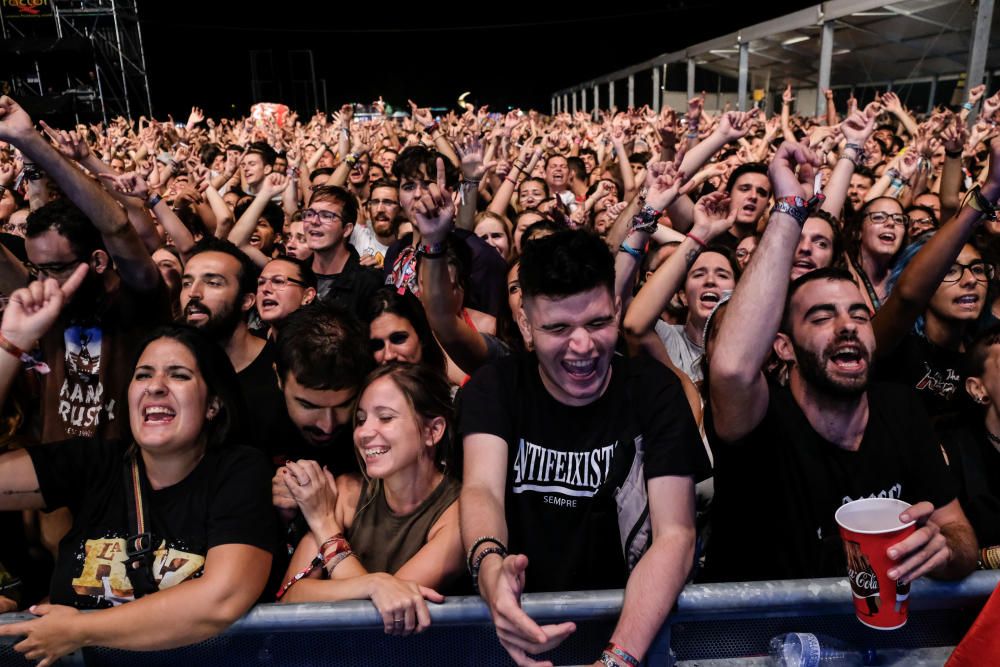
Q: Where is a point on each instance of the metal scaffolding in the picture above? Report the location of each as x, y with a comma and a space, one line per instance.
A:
103, 36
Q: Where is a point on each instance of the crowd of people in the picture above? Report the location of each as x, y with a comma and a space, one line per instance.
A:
399, 358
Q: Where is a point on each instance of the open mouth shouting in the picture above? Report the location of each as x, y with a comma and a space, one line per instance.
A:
194, 312
158, 414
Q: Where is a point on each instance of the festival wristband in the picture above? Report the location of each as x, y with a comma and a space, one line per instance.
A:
30, 363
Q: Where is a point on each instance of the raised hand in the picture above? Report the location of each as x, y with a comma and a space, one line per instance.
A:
195, 117
782, 169
954, 136
892, 103
664, 183
15, 123
131, 184
7, 172
735, 124
908, 164
857, 127
786, 95
471, 154
976, 93
71, 144
435, 210
990, 107
712, 216
422, 116
272, 185
32, 310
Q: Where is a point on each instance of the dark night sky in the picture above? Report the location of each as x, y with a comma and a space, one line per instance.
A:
512, 56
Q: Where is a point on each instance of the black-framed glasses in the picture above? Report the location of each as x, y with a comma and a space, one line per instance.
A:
52, 269
883, 218
928, 221
396, 338
278, 282
328, 217
980, 269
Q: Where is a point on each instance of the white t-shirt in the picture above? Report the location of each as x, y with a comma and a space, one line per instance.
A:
367, 244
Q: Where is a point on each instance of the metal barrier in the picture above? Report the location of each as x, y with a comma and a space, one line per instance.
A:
719, 623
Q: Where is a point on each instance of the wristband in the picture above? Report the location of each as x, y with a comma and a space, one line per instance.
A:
968, 106
153, 200
500, 551
30, 363
977, 202
645, 219
432, 250
893, 174
793, 206
697, 240
485, 539
608, 660
629, 250
433, 126
617, 651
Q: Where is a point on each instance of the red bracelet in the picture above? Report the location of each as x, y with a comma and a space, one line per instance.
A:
697, 240
617, 651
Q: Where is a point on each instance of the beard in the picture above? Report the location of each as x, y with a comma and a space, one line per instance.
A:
382, 225
220, 325
813, 369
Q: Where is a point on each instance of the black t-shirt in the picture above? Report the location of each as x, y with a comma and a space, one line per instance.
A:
777, 489
268, 425
975, 463
564, 463
934, 371
226, 499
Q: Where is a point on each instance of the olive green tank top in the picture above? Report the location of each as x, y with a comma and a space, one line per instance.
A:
382, 540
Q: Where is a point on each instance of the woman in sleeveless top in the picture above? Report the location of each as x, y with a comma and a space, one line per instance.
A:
393, 537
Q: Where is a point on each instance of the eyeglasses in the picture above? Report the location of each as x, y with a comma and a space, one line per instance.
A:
742, 253
278, 282
922, 221
388, 203
982, 271
396, 338
53, 269
327, 217
883, 218
19, 228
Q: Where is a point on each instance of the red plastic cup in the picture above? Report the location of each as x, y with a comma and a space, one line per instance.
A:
869, 527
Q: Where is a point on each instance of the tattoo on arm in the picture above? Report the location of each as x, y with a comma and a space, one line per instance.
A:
691, 255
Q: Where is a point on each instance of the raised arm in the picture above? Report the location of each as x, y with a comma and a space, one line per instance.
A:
922, 276
424, 118
272, 185
133, 262
712, 217
856, 130
525, 162
474, 167
739, 392
894, 106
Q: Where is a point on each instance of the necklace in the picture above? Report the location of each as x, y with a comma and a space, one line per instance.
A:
994, 440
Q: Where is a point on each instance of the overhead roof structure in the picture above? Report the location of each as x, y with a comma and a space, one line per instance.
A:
840, 43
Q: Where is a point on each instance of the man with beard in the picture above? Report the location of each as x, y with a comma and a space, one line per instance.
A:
218, 289
90, 350
372, 240
786, 458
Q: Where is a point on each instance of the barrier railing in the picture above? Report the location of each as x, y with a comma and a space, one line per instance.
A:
715, 622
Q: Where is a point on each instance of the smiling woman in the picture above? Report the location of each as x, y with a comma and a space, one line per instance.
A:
197, 498
395, 539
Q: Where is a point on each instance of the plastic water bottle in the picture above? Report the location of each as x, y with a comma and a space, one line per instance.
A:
804, 649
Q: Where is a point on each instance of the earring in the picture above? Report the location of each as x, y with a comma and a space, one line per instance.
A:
982, 400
